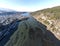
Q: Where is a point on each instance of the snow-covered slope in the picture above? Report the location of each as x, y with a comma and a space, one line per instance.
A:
5, 10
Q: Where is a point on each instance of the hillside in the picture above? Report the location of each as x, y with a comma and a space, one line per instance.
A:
49, 17
53, 13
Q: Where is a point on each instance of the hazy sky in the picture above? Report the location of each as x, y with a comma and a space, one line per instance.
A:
28, 5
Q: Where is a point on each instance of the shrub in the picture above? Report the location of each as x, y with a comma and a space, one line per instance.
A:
46, 22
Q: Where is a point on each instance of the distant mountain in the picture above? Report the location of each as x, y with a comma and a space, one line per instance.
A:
6, 10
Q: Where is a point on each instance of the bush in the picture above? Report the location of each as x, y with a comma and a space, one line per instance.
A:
46, 22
